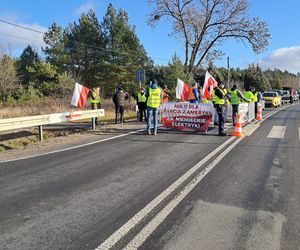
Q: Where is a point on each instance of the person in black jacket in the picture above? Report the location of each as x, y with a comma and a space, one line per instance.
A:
119, 99
219, 105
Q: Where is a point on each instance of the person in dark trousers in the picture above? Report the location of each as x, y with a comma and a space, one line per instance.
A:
95, 100
235, 100
255, 100
154, 96
142, 104
220, 97
119, 99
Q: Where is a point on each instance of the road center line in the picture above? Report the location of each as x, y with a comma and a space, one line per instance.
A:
137, 218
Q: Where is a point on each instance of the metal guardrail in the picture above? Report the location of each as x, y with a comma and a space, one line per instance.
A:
40, 120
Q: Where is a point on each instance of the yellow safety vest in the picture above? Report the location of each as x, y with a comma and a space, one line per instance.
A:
95, 98
234, 97
142, 97
154, 98
219, 100
249, 95
255, 97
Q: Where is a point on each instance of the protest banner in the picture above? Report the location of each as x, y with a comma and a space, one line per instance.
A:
187, 116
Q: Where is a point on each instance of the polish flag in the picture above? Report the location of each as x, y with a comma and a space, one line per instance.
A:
209, 84
79, 96
182, 90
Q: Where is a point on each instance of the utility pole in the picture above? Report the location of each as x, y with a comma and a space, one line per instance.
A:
228, 72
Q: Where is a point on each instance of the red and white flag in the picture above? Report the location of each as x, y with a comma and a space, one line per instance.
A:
182, 90
209, 84
79, 96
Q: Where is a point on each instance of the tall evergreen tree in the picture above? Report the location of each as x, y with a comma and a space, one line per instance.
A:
27, 59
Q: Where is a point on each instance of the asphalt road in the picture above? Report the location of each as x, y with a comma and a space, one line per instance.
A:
77, 199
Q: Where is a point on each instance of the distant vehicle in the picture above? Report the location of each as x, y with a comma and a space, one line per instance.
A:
272, 98
279, 91
286, 97
294, 97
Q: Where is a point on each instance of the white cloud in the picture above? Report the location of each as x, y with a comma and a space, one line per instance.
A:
84, 8
284, 59
14, 39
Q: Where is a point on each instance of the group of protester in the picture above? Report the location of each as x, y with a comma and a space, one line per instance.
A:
149, 100
221, 98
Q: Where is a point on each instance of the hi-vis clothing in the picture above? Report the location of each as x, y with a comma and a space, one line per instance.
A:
192, 96
95, 98
255, 97
142, 97
225, 93
154, 98
219, 100
213, 96
235, 100
249, 95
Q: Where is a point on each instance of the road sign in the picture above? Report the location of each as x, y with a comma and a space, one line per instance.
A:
140, 75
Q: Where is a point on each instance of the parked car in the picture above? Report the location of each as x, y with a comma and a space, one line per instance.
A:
294, 97
272, 99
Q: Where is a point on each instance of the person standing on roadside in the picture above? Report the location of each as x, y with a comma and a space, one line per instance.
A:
194, 93
142, 104
255, 100
154, 96
236, 97
95, 100
119, 99
220, 98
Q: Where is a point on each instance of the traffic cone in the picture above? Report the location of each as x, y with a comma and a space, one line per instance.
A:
238, 127
259, 113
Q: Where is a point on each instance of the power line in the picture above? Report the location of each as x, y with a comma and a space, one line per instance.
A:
80, 43
20, 26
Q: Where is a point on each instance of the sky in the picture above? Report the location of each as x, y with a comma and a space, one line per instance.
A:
282, 17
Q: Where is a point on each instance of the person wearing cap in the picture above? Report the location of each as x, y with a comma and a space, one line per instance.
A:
220, 98
142, 104
154, 96
119, 99
95, 101
235, 98
193, 93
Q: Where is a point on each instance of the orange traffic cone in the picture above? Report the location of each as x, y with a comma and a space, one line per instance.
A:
238, 127
259, 113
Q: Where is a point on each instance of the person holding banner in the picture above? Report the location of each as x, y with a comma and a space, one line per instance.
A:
236, 97
154, 96
194, 94
220, 97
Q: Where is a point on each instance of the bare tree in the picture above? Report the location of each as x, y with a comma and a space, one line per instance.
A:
206, 24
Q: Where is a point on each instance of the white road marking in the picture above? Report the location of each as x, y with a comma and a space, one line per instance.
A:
137, 218
142, 236
122, 231
277, 132
299, 132
74, 147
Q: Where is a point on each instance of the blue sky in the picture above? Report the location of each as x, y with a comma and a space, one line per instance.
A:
282, 16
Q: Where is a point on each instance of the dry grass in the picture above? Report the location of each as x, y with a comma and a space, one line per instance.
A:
50, 105
20, 140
